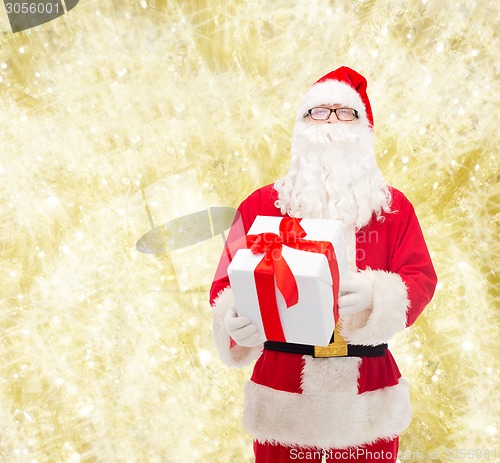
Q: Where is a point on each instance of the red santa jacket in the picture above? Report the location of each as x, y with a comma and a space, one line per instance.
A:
340, 401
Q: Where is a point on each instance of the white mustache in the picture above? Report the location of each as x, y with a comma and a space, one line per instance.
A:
330, 133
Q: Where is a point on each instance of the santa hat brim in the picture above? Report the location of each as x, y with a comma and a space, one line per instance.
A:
330, 92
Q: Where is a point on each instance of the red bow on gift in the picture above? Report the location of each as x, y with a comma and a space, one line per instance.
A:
273, 268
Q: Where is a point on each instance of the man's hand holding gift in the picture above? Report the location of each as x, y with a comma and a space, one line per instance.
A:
242, 330
357, 295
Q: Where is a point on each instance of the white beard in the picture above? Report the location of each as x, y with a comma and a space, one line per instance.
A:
333, 175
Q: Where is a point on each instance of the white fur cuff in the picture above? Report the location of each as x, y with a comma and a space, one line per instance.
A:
390, 305
237, 356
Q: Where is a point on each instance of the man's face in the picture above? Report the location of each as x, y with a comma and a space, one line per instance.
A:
333, 118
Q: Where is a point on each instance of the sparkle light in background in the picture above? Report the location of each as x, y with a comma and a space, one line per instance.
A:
100, 361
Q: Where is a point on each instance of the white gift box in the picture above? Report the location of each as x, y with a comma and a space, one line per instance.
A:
311, 320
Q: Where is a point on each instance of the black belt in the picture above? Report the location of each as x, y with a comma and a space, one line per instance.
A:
335, 349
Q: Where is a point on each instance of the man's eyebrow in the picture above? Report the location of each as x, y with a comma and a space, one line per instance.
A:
330, 104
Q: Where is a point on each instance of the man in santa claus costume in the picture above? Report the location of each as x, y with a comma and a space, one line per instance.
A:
349, 405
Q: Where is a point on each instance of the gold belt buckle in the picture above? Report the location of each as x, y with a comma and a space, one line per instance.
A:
335, 349
338, 348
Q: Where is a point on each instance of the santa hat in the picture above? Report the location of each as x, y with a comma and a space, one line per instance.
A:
343, 86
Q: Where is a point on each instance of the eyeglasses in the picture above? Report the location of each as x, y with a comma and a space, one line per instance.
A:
323, 114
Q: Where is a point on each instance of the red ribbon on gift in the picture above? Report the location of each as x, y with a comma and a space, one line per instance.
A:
273, 268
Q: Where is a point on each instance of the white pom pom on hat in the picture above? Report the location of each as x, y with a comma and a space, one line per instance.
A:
343, 86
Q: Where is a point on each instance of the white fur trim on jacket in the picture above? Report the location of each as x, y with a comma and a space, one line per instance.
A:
388, 316
336, 418
332, 92
237, 356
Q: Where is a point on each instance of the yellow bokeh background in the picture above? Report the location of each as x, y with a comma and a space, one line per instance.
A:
105, 355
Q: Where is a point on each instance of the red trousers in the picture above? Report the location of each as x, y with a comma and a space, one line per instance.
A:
384, 451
